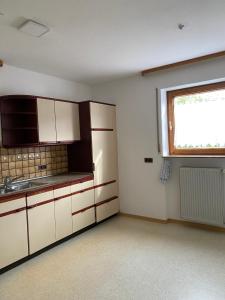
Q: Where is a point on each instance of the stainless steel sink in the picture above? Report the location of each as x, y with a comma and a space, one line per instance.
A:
18, 186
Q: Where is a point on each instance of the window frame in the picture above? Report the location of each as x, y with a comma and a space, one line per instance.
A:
171, 119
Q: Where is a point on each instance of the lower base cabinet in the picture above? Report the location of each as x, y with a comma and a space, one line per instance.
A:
106, 191
13, 232
48, 217
83, 219
41, 222
107, 209
63, 218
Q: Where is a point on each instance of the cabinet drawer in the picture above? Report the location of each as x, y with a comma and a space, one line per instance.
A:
81, 186
106, 192
82, 200
83, 219
64, 191
6, 207
107, 209
41, 197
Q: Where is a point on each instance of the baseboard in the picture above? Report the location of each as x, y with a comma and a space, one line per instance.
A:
197, 225
179, 222
154, 220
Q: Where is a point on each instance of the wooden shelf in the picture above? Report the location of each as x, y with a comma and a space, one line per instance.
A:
19, 113
20, 128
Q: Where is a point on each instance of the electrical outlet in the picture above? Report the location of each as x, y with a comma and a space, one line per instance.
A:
148, 160
42, 167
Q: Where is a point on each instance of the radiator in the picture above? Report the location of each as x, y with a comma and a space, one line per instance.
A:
202, 195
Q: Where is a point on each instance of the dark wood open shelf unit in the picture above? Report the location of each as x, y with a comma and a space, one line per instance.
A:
19, 121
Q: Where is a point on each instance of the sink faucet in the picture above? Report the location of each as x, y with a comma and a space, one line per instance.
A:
9, 180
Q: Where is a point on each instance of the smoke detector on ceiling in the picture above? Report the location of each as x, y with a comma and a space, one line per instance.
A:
34, 28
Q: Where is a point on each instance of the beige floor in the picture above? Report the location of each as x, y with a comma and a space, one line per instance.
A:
125, 258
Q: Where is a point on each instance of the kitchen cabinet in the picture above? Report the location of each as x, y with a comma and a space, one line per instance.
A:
104, 151
107, 209
82, 200
104, 142
102, 116
31, 120
63, 217
63, 212
83, 219
67, 121
41, 220
18, 121
81, 186
83, 210
13, 231
97, 152
58, 121
104, 155
106, 191
46, 120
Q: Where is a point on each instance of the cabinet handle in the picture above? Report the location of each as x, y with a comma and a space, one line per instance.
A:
15, 211
40, 203
32, 206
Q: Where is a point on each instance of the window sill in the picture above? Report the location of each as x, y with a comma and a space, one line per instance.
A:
193, 156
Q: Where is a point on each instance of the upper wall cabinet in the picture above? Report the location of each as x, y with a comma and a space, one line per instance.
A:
102, 116
30, 121
46, 120
67, 121
58, 121
18, 121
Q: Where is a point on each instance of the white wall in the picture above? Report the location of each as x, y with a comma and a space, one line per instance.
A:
141, 193
20, 81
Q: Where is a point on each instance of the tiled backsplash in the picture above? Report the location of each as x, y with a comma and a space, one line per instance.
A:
25, 161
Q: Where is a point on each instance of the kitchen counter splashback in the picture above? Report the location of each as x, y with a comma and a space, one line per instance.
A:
26, 161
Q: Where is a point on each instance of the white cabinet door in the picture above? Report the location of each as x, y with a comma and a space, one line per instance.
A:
103, 116
41, 220
67, 121
63, 217
46, 120
13, 231
104, 148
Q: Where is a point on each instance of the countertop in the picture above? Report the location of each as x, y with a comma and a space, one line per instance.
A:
47, 182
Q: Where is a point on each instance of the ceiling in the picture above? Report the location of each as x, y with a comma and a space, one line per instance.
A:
92, 41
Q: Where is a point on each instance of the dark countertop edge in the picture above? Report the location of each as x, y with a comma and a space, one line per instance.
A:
46, 187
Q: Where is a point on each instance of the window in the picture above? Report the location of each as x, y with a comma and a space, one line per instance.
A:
196, 120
